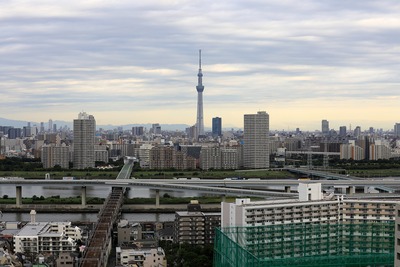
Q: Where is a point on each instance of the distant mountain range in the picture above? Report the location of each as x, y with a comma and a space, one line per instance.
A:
20, 124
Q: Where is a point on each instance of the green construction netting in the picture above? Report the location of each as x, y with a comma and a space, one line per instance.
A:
333, 245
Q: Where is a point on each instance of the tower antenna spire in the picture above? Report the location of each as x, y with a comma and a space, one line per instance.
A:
200, 59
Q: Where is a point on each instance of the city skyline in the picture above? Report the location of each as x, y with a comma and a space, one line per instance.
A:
137, 62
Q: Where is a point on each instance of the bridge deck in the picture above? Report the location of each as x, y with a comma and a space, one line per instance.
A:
99, 246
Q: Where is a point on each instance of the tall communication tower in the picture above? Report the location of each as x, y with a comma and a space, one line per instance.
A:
200, 89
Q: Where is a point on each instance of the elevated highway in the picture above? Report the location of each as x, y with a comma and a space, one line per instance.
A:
219, 187
335, 176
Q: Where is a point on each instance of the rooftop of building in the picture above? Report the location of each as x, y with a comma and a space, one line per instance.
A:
33, 229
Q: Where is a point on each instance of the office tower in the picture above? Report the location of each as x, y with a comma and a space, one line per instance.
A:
256, 148
342, 131
200, 89
371, 130
357, 131
397, 129
54, 128
14, 133
325, 127
26, 131
137, 131
84, 131
191, 131
216, 126
42, 127
50, 125
156, 128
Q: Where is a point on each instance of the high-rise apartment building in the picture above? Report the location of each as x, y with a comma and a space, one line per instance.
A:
14, 133
216, 126
210, 158
256, 147
155, 128
337, 231
200, 89
325, 127
342, 131
351, 151
357, 131
50, 125
41, 127
194, 226
397, 129
53, 155
219, 158
84, 131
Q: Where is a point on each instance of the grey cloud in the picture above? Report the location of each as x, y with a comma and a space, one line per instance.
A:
60, 57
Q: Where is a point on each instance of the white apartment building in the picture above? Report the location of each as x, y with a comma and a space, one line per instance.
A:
43, 237
311, 207
144, 155
363, 224
153, 257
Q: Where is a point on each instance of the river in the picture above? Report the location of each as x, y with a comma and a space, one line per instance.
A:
85, 217
91, 191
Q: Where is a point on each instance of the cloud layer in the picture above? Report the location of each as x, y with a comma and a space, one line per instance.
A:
130, 62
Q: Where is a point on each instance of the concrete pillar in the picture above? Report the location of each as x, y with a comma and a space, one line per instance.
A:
83, 196
287, 189
157, 198
223, 198
18, 196
351, 190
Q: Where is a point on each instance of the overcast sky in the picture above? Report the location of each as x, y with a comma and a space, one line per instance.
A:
137, 61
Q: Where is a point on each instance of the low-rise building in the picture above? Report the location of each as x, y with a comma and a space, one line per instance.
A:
43, 237
153, 257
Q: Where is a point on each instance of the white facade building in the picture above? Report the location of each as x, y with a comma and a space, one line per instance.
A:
311, 207
42, 237
154, 257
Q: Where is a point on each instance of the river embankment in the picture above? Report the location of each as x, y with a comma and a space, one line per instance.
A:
128, 208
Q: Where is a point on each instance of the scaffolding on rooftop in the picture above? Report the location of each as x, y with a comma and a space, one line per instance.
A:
325, 245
